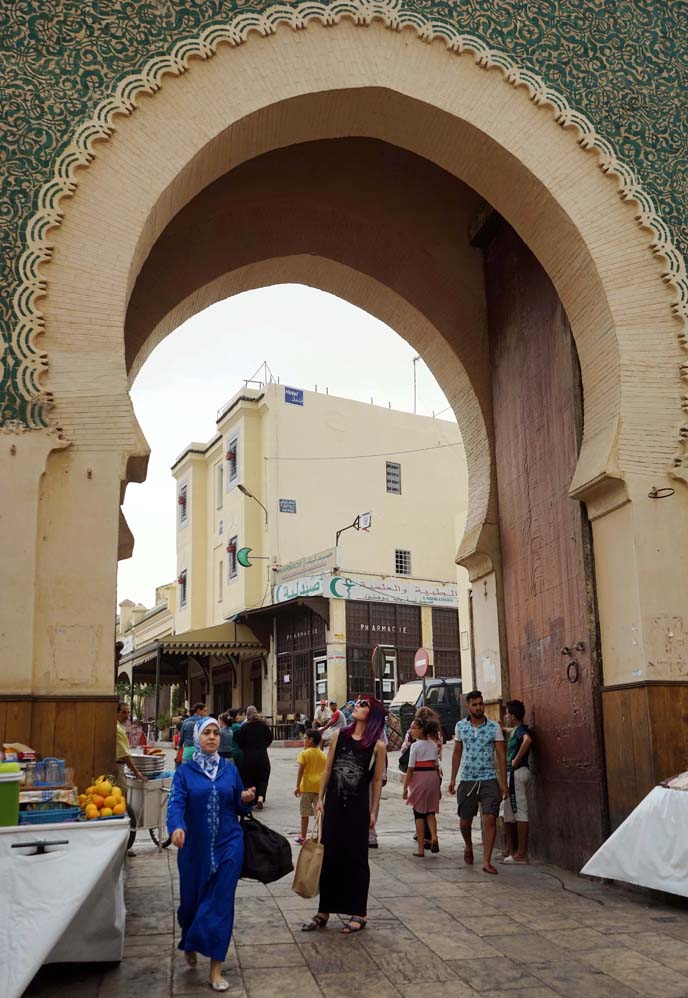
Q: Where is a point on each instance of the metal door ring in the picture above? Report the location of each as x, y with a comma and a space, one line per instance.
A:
573, 672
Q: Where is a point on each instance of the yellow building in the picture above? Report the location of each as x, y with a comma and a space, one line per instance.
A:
286, 471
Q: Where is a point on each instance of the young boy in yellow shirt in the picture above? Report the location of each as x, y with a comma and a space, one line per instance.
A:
311, 764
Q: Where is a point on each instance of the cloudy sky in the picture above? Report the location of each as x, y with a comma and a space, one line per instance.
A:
307, 337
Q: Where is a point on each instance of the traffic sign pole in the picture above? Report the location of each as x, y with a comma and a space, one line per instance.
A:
421, 661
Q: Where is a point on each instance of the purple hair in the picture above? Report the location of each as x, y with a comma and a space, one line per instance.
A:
374, 725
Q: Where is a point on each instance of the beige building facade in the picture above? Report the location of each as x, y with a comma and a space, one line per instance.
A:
330, 144
286, 471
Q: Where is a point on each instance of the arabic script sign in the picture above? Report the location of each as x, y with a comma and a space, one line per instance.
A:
392, 591
311, 564
309, 585
369, 589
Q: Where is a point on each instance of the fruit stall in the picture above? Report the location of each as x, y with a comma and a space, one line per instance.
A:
61, 866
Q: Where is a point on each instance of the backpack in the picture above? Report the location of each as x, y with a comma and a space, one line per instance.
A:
267, 854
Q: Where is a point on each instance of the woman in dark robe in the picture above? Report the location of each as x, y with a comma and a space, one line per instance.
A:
206, 799
355, 760
253, 738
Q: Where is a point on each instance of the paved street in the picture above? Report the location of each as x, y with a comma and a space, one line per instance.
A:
532, 931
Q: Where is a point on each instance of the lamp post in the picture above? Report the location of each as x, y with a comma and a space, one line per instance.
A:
245, 491
362, 522
415, 360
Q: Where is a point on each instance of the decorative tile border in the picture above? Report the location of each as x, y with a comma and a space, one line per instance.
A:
29, 363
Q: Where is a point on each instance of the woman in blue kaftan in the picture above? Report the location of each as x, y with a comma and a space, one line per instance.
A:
203, 812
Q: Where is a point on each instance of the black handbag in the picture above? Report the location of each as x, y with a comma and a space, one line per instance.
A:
267, 854
404, 759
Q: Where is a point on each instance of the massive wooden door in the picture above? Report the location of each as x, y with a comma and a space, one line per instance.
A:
546, 550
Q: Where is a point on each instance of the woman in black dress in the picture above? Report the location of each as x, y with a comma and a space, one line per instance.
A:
253, 738
356, 757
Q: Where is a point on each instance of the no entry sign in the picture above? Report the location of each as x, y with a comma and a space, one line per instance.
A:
421, 661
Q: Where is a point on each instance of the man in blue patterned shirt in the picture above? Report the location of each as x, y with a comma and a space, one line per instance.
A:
476, 741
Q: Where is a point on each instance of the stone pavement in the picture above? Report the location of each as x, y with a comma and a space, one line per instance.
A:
532, 931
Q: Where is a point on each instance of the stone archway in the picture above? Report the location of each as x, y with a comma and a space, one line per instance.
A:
329, 83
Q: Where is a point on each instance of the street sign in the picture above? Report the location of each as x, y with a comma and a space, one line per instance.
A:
242, 557
364, 521
421, 662
287, 505
377, 662
294, 396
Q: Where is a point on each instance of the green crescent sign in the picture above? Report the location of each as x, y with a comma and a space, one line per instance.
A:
242, 557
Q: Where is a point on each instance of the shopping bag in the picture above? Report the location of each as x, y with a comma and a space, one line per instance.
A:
308, 865
267, 854
404, 759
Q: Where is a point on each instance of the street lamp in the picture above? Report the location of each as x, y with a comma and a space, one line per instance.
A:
362, 522
245, 491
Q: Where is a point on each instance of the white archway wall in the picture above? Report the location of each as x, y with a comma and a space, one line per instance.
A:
585, 236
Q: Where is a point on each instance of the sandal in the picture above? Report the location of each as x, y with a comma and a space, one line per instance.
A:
419, 855
435, 846
468, 856
489, 868
221, 985
355, 920
317, 922
191, 958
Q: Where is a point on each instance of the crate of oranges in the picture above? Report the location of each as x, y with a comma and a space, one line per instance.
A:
102, 800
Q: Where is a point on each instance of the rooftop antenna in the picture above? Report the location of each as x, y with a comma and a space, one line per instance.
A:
266, 376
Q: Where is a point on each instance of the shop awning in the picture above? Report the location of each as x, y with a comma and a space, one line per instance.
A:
231, 638
260, 620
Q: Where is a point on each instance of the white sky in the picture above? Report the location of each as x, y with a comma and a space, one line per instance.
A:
308, 338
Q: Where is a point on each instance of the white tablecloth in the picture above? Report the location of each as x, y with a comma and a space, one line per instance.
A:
650, 848
64, 906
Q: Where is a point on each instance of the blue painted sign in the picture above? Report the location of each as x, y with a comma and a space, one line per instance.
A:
293, 395
287, 505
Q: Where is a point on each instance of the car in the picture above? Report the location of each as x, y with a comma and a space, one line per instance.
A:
443, 695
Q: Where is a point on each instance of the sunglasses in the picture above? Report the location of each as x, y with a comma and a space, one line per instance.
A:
362, 703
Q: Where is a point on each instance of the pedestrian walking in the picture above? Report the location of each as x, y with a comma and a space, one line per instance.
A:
476, 741
426, 714
226, 737
518, 776
356, 757
311, 763
206, 799
253, 738
422, 783
235, 724
186, 732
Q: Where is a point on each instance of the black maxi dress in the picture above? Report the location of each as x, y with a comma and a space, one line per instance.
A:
253, 739
345, 875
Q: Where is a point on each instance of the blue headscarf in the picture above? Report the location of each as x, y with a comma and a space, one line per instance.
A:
207, 762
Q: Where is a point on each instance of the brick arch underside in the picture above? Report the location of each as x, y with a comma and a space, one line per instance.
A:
370, 222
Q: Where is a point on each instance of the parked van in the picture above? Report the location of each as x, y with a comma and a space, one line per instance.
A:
443, 695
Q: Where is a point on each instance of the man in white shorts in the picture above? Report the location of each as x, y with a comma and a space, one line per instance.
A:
518, 777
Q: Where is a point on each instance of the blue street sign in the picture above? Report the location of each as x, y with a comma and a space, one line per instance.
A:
293, 395
287, 505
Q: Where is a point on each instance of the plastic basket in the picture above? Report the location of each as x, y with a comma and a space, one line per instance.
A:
52, 817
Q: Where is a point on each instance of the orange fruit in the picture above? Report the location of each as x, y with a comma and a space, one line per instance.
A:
110, 801
116, 792
82, 799
106, 812
119, 808
104, 788
91, 811
90, 790
98, 800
